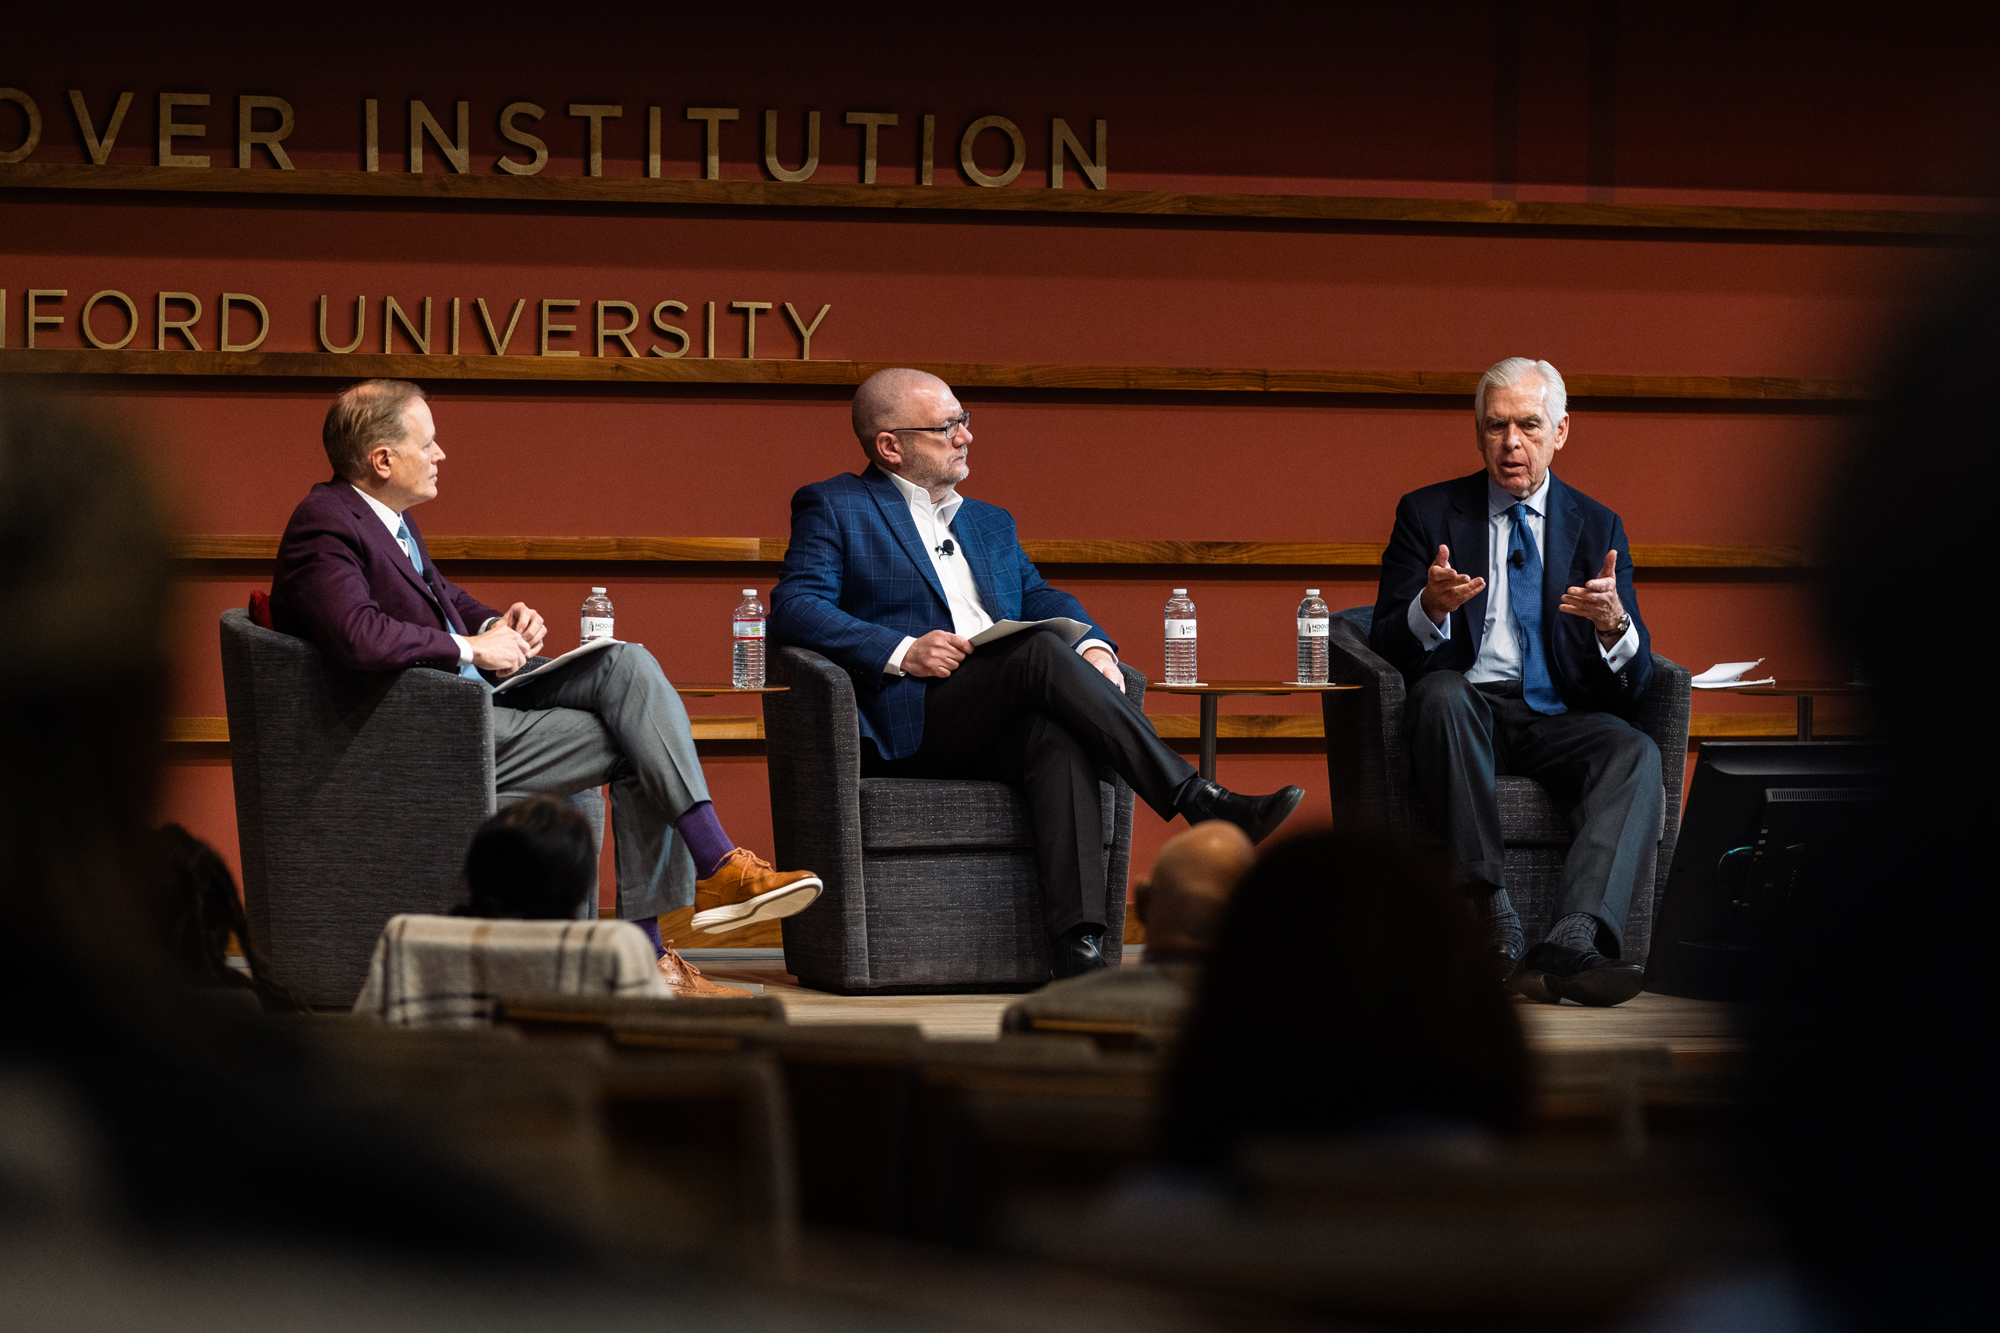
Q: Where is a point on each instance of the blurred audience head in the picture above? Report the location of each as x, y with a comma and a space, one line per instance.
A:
83, 592
1181, 902
534, 861
1876, 1144
200, 1124
1347, 996
200, 912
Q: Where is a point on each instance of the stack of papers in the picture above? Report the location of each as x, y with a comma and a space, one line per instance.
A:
1725, 675
595, 645
1071, 630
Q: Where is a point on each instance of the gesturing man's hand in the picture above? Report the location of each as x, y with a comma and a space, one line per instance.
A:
1445, 589
1597, 600
936, 654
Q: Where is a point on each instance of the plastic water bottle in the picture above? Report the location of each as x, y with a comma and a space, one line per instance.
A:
746, 670
596, 616
1314, 623
1180, 640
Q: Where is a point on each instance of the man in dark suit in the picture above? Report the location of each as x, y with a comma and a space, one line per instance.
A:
891, 573
1507, 603
354, 577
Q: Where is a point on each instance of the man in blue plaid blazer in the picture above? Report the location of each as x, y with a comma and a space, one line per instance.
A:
891, 573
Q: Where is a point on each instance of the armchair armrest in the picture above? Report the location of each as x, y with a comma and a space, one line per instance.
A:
1664, 714
1367, 759
813, 754
1135, 682
319, 757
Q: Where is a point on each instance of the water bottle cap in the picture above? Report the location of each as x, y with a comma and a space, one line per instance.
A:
1312, 592
1180, 592
749, 592
597, 590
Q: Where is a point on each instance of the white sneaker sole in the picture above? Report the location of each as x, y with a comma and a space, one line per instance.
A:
773, 906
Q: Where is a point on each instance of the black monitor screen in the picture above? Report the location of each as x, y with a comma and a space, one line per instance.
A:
1764, 820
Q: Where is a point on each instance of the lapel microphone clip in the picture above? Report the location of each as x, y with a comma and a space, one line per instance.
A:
945, 548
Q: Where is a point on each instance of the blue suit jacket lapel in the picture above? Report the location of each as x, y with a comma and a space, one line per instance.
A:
896, 513
1562, 530
1467, 527
979, 558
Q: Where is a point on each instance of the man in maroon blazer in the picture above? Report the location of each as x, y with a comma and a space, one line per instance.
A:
355, 578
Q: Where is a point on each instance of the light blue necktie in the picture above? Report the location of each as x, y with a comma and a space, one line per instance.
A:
1524, 601
465, 669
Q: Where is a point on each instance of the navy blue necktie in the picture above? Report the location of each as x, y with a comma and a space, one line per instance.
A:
1524, 601
409, 544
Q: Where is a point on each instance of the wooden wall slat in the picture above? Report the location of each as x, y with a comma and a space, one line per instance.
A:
843, 375
1048, 551
567, 191
1174, 726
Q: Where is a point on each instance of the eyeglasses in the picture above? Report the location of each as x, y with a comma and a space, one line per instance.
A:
947, 430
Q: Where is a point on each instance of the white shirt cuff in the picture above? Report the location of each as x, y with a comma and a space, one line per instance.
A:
895, 663
1623, 651
1088, 644
464, 648
1428, 635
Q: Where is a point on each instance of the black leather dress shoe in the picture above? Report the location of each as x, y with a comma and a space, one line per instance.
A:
1079, 950
1552, 973
1258, 816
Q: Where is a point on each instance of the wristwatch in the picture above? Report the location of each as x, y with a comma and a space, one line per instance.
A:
1618, 630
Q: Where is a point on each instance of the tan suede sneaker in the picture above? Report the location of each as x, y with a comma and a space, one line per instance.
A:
686, 982
746, 888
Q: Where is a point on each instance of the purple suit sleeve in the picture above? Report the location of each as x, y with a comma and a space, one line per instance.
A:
470, 609
321, 582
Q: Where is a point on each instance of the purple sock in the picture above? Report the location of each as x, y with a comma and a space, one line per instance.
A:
651, 925
706, 841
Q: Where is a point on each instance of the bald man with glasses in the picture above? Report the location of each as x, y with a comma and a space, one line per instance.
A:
891, 574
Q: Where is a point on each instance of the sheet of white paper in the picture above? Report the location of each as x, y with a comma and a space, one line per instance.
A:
593, 646
1731, 684
1726, 673
1071, 630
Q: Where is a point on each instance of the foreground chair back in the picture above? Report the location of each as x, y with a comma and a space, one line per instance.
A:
598, 1016
448, 971
1368, 770
930, 884
357, 793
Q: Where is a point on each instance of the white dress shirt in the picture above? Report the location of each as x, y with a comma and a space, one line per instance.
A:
954, 571
394, 522
1499, 656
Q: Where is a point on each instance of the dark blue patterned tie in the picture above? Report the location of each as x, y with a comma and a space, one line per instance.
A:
1524, 599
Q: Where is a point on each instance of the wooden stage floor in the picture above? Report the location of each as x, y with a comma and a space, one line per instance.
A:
1648, 1020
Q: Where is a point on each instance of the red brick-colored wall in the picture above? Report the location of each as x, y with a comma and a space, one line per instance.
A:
1783, 104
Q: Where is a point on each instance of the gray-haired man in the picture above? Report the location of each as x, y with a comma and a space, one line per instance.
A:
1507, 603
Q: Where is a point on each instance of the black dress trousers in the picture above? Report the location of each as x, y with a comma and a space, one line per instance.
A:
1463, 736
1030, 712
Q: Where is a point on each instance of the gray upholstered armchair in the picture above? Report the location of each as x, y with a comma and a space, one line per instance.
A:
357, 793
930, 885
1368, 769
